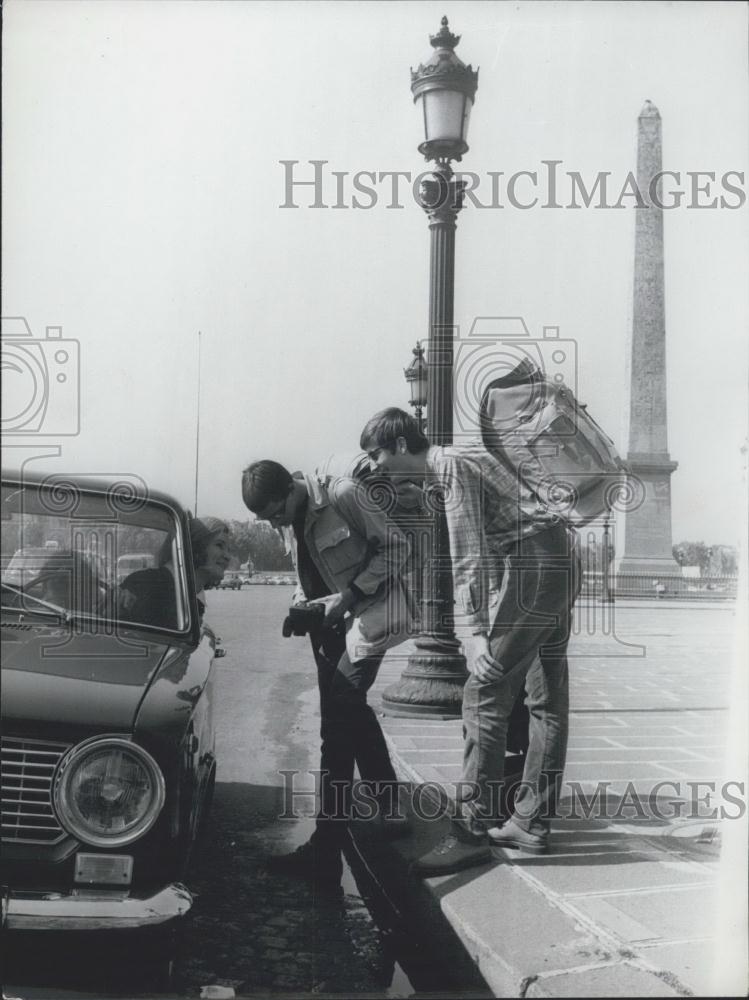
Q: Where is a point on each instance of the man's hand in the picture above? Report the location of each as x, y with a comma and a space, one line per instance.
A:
336, 606
479, 659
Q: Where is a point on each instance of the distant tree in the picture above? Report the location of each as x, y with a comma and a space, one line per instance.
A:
692, 554
729, 561
257, 541
716, 559
241, 540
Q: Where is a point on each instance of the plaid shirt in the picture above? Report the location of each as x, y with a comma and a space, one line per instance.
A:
487, 509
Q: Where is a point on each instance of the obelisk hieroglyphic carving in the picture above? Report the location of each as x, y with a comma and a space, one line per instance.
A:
647, 526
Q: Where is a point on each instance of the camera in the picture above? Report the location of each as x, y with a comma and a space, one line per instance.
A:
303, 619
494, 348
40, 381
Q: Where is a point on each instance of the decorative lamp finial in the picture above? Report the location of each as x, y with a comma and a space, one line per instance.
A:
444, 39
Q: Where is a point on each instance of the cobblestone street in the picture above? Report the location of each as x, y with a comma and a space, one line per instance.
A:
257, 932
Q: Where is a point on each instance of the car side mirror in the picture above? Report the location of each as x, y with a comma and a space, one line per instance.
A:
220, 651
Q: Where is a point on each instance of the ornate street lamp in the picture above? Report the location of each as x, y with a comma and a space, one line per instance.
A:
444, 89
416, 377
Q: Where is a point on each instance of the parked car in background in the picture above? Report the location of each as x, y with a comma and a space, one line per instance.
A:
108, 733
232, 580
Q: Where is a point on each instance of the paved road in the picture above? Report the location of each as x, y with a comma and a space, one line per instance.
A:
252, 930
249, 930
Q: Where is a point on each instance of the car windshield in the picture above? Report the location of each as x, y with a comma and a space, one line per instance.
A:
96, 556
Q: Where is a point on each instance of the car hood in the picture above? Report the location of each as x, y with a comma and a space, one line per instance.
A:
53, 676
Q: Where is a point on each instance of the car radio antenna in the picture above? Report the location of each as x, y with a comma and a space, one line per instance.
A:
197, 434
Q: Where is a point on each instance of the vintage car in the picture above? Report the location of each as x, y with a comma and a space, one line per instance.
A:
233, 580
108, 738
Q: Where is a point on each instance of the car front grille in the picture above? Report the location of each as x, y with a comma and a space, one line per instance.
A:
28, 767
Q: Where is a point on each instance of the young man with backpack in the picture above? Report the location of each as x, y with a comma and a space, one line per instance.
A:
496, 523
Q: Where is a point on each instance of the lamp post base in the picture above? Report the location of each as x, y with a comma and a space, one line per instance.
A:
432, 683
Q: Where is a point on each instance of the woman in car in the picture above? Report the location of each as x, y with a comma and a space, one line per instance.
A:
148, 596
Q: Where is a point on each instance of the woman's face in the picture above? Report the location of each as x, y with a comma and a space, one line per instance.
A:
216, 560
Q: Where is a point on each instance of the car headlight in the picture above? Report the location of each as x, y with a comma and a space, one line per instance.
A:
108, 792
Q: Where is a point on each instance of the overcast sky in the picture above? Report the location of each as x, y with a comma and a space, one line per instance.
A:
142, 203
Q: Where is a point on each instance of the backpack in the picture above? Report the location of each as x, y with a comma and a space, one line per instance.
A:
539, 430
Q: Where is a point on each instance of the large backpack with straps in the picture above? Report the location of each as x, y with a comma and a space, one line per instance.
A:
539, 430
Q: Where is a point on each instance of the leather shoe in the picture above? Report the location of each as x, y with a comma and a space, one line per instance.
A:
322, 869
517, 839
454, 853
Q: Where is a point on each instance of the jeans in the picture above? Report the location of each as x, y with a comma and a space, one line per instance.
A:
529, 639
350, 734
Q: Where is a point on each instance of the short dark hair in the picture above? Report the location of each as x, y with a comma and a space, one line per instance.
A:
265, 482
384, 428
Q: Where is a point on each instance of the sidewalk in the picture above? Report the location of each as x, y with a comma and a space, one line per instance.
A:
627, 902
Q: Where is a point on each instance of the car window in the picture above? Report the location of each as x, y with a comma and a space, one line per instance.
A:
79, 553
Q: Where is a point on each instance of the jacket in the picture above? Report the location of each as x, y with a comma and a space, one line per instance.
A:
352, 541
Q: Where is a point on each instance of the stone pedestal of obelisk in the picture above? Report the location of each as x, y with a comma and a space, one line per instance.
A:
647, 525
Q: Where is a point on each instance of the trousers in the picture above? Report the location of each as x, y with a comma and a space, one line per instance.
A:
529, 639
350, 734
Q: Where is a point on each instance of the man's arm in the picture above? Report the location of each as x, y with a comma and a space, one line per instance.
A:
465, 524
461, 479
464, 514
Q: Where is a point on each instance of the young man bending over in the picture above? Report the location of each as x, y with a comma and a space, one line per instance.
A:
497, 525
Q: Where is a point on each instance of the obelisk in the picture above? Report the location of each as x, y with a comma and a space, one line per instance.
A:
647, 524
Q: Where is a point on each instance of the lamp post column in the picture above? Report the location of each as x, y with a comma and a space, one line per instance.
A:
441, 199
432, 683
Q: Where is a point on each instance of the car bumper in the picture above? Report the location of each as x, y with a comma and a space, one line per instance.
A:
91, 909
